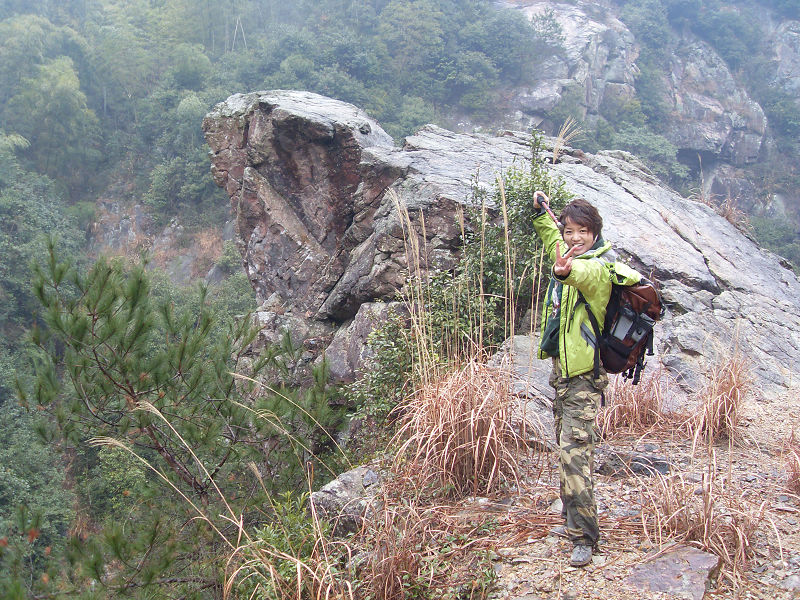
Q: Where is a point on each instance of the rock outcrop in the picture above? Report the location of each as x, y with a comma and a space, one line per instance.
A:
308, 179
711, 114
598, 61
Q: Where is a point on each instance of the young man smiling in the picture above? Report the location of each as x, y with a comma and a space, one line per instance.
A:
580, 281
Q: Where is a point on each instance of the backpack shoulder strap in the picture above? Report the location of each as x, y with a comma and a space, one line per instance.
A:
597, 333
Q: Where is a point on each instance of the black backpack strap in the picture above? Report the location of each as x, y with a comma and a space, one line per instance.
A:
597, 334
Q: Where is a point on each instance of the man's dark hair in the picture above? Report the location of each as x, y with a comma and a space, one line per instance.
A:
580, 212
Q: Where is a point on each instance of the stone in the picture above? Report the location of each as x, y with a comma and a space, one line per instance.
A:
791, 583
530, 387
616, 463
348, 500
683, 572
556, 507
347, 352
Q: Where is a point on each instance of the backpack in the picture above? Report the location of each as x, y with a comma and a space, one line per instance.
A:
627, 332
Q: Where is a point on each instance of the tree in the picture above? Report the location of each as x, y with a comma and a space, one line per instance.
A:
158, 383
51, 112
413, 34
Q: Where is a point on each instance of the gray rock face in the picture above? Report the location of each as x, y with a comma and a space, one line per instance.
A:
712, 114
348, 348
786, 40
682, 572
722, 290
599, 59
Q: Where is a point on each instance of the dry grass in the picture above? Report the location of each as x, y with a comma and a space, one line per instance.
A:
395, 542
416, 549
718, 417
716, 519
570, 130
459, 432
791, 455
635, 409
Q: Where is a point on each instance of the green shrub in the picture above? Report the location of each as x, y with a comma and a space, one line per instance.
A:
657, 152
385, 376
779, 236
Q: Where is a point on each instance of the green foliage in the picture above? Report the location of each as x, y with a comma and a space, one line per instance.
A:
30, 210
730, 33
181, 185
779, 236
32, 482
647, 20
656, 151
548, 32
230, 261
571, 106
51, 111
385, 379
158, 381
290, 536
502, 265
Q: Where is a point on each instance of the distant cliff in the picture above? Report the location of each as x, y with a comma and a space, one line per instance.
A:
708, 113
307, 177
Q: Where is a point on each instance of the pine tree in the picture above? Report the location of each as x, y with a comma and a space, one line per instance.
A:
119, 370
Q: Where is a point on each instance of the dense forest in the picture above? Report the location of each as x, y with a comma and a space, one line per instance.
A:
110, 94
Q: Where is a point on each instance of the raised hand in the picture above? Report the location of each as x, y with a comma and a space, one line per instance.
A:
563, 264
540, 194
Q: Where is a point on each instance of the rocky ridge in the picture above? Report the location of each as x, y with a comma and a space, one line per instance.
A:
710, 113
308, 179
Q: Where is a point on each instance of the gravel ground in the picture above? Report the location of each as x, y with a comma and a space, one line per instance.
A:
749, 483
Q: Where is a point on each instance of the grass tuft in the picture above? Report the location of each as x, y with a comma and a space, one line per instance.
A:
792, 457
459, 431
635, 409
716, 519
721, 400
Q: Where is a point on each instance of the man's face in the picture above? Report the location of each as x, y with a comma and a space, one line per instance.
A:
578, 237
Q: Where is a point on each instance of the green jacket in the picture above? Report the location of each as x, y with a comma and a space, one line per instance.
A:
591, 275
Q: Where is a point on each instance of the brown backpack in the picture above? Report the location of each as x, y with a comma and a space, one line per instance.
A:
627, 332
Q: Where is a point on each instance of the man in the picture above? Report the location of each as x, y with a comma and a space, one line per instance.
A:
580, 281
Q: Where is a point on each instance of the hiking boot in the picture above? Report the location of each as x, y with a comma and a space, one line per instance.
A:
560, 531
581, 556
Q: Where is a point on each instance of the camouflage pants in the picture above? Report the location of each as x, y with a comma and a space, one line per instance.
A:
575, 408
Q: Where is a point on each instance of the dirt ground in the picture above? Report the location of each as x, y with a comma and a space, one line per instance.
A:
745, 492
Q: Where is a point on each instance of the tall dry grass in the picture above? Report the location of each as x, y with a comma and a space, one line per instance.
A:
570, 130
397, 539
719, 414
707, 514
636, 409
458, 432
416, 549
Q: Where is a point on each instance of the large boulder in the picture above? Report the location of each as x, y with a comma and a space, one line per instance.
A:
320, 229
